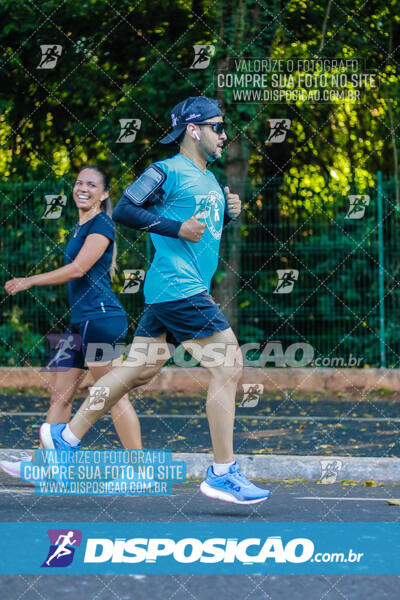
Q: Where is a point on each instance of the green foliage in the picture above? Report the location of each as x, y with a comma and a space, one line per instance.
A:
334, 305
20, 345
32, 245
118, 61
132, 60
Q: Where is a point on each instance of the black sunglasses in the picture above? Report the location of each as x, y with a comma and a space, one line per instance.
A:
218, 127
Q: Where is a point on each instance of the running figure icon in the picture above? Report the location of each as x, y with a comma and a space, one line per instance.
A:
54, 207
50, 55
287, 279
62, 549
63, 347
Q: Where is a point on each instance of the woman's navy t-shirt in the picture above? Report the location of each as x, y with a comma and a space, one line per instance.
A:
90, 296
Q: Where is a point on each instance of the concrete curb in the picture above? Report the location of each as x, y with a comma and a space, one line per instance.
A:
272, 467
174, 379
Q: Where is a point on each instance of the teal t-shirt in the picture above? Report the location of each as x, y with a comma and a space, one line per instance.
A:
181, 268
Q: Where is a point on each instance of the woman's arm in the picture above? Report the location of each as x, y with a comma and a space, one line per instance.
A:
94, 247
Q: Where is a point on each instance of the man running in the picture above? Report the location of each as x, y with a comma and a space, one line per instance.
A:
181, 204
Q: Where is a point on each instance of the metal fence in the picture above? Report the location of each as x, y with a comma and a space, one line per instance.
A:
325, 278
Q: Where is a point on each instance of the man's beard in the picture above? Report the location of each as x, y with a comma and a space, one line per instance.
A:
214, 156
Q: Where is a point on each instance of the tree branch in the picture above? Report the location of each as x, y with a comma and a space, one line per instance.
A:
324, 25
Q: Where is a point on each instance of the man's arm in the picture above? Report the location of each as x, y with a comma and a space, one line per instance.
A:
147, 189
134, 216
131, 209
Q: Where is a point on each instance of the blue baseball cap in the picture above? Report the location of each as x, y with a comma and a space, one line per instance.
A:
192, 110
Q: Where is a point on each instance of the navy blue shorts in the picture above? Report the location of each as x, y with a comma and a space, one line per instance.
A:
95, 340
187, 319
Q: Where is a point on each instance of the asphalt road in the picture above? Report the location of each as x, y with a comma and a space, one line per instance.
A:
298, 501
305, 425
279, 425
19, 503
201, 587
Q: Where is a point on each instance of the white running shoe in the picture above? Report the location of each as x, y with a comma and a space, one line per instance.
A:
13, 468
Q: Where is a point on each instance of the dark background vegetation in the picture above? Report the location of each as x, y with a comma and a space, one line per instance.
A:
132, 59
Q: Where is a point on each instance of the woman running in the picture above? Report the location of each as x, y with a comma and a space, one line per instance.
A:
97, 316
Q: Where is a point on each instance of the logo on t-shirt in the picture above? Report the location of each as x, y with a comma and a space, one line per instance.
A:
211, 208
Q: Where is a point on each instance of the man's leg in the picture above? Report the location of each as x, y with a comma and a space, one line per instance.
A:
221, 355
146, 357
138, 369
125, 419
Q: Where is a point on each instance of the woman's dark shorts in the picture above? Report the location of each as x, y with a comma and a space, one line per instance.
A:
97, 340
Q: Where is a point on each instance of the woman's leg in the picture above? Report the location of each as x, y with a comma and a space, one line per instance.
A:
62, 394
123, 414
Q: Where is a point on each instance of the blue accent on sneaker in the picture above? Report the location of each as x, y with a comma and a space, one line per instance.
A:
232, 487
52, 439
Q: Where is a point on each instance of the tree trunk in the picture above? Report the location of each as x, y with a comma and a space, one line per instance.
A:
227, 290
324, 25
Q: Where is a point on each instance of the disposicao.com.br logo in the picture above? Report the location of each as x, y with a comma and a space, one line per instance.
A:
202, 547
187, 550
97, 547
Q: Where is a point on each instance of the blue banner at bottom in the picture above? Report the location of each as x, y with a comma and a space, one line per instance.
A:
251, 547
